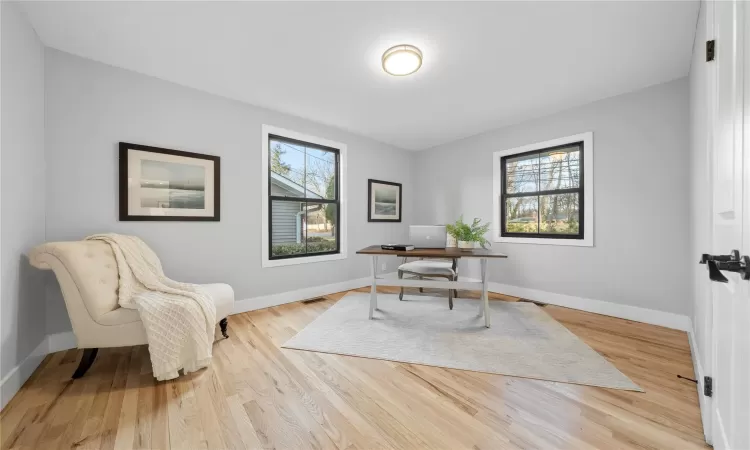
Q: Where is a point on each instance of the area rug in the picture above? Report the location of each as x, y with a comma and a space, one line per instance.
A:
523, 341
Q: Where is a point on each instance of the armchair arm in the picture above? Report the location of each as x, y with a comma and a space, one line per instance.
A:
88, 286
42, 256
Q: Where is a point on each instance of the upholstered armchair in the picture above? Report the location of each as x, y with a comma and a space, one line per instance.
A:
88, 277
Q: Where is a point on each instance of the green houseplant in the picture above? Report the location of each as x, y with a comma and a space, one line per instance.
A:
468, 235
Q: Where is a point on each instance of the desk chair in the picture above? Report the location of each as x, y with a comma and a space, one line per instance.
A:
430, 268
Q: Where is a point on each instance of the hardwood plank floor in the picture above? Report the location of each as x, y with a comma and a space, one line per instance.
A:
258, 395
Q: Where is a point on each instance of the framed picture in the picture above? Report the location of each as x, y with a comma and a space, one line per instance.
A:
383, 201
163, 184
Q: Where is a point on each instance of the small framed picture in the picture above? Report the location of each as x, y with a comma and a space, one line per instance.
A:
383, 201
163, 184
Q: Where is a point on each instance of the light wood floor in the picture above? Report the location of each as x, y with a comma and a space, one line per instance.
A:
258, 395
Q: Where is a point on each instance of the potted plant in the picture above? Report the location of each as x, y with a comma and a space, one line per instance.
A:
451, 242
469, 235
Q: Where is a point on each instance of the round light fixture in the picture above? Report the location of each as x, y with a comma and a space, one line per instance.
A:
402, 60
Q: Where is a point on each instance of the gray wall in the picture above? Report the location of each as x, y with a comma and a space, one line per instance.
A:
640, 255
22, 187
92, 106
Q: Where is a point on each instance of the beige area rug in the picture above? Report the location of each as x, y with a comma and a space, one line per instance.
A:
523, 341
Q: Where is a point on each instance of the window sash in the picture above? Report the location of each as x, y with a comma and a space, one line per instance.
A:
306, 253
276, 198
335, 151
504, 195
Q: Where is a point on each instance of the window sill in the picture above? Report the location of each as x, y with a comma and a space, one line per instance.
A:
301, 260
586, 242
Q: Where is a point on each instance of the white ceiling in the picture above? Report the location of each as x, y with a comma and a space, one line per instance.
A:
485, 64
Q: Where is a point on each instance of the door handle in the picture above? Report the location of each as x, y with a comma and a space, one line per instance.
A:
733, 256
731, 263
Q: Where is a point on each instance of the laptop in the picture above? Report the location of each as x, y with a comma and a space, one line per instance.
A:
427, 236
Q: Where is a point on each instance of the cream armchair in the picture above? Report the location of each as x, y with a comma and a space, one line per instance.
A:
87, 273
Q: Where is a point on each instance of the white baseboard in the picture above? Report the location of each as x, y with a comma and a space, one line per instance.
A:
266, 301
13, 381
66, 340
699, 374
61, 341
635, 313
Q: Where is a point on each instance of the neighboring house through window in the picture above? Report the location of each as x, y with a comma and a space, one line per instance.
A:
303, 208
544, 192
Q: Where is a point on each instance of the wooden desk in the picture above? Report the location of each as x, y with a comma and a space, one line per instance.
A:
448, 253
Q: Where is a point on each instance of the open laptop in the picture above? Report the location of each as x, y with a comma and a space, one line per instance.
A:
427, 236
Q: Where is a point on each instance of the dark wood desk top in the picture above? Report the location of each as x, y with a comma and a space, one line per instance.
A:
433, 252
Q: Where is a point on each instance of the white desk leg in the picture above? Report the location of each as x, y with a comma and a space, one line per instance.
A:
373, 289
485, 296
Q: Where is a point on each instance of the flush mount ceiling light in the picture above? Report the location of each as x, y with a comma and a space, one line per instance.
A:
402, 60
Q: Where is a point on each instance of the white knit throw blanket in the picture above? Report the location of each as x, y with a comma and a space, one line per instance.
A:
179, 317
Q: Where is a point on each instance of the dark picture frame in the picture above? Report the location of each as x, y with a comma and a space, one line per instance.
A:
372, 214
125, 214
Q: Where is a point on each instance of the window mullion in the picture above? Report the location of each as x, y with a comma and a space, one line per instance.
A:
538, 214
539, 197
550, 192
538, 173
301, 199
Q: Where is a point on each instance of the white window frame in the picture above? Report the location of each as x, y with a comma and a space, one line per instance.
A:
265, 261
588, 191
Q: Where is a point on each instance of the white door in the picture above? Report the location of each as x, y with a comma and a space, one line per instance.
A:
730, 355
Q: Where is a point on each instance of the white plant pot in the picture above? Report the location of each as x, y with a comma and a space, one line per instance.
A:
451, 242
466, 245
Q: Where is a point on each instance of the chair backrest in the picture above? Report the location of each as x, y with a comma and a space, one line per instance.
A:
89, 265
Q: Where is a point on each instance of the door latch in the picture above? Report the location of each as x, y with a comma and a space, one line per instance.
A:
733, 256
732, 262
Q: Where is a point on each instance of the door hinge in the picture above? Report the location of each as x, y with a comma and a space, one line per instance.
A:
710, 47
708, 386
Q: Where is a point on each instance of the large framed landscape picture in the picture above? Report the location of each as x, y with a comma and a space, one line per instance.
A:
384, 201
163, 184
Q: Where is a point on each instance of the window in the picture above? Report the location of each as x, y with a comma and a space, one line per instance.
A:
543, 194
303, 213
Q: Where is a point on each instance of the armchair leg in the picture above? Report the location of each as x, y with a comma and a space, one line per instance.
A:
223, 325
401, 292
450, 298
89, 355
421, 290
